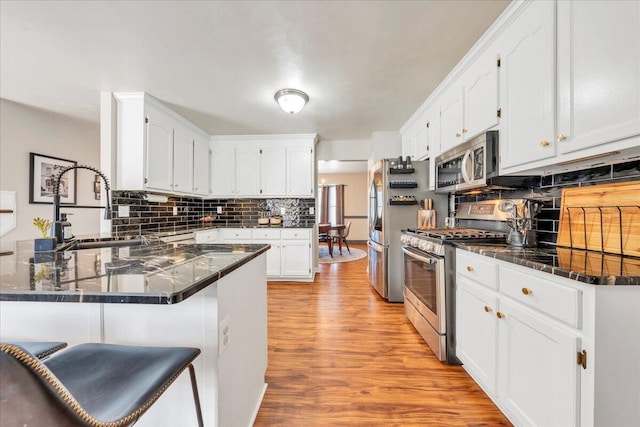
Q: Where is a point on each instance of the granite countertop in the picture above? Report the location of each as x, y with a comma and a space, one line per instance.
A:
585, 266
152, 273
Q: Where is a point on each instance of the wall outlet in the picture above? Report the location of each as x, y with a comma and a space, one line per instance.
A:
312, 210
175, 210
219, 209
123, 211
224, 334
283, 211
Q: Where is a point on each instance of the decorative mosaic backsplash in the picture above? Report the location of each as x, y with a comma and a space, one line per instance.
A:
548, 190
151, 217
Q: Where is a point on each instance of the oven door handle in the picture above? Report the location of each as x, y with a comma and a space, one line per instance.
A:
419, 257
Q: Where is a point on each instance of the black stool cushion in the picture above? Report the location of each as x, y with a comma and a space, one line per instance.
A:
40, 349
111, 381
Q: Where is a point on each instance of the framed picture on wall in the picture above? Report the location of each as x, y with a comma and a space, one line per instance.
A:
43, 171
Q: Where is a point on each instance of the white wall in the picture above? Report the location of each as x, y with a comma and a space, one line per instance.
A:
385, 145
356, 199
351, 149
23, 130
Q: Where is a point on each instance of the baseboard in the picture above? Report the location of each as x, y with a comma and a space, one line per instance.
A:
257, 408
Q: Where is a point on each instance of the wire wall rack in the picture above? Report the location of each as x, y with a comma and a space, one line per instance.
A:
603, 228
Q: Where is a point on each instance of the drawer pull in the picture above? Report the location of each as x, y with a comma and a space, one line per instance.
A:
487, 309
469, 268
544, 143
500, 315
527, 291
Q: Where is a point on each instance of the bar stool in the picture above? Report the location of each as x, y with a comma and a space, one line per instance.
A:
40, 349
101, 385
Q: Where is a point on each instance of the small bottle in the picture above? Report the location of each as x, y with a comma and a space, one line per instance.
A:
67, 234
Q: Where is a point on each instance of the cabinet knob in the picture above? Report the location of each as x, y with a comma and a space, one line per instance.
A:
458, 135
561, 137
146, 180
527, 291
196, 188
500, 315
544, 143
469, 268
487, 309
464, 131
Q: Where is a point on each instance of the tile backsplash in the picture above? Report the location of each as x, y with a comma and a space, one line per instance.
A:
152, 217
548, 191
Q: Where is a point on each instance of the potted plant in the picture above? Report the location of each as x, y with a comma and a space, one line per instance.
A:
45, 243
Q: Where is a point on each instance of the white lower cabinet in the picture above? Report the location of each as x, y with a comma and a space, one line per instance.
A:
288, 258
542, 365
477, 332
538, 374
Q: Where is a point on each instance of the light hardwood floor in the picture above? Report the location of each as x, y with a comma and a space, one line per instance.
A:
339, 355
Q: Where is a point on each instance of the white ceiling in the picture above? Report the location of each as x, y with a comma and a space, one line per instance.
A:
366, 65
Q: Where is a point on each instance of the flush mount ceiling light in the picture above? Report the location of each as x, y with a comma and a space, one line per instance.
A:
291, 100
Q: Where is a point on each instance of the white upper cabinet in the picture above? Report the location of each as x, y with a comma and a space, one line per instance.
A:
300, 170
274, 172
223, 170
247, 169
527, 95
158, 150
201, 159
598, 72
155, 148
480, 84
451, 119
262, 166
182, 160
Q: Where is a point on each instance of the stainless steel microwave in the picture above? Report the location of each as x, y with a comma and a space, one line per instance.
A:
469, 165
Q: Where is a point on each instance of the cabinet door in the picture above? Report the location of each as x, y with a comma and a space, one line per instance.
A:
274, 172
421, 141
598, 69
539, 377
527, 96
409, 142
296, 258
247, 170
300, 169
451, 110
159, 150
273, 256
182, 160
223, 170
201, 158
477, 332
481, 94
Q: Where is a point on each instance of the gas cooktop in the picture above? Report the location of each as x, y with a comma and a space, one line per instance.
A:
457, 233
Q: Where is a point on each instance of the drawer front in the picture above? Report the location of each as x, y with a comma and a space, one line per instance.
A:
478, 268
237, 234
209, 236
296, 233
561, 302
265, 234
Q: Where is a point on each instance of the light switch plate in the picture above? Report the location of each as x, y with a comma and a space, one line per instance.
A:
283, 211
123, 211
219, 209
312, 210
175, 210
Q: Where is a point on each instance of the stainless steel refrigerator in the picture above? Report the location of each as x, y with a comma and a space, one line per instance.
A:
396, 189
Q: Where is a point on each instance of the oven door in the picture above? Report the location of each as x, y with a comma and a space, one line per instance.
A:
424, 279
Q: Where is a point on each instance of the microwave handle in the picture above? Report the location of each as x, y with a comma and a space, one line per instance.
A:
465, 161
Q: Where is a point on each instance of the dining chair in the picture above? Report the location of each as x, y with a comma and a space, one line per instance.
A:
342, 235
100, 385
325, 236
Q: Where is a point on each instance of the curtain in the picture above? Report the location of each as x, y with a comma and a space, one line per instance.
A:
331, 204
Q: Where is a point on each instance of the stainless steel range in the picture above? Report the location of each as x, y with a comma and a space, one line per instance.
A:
429, 271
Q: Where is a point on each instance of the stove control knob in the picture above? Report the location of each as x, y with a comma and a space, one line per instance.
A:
404, 238
415, 242
424, 245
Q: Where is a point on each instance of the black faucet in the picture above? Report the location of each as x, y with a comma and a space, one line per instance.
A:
57, 223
